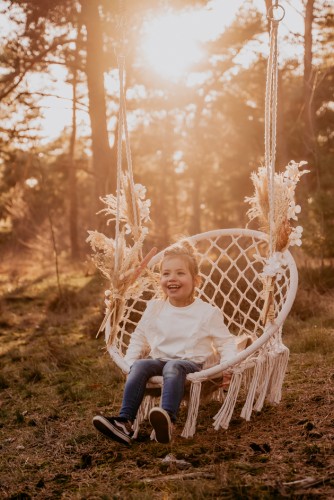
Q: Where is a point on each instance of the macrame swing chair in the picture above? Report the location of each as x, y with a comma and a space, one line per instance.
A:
248, 274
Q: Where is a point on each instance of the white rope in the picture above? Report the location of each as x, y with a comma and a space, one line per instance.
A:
257, 372
119, 158
275, 387
190, 425
224, 415
129, 161
143, 412
270, 126
264, 380
123, 127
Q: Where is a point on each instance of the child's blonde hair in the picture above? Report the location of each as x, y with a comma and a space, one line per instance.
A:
186, 251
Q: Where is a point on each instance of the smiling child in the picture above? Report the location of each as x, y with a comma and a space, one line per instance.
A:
180, 333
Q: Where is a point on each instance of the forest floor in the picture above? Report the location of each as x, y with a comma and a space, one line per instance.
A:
55, 376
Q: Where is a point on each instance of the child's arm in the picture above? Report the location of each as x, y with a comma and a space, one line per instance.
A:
223, 340
138, 343
137, 346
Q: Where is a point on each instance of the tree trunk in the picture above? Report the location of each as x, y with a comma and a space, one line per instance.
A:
73, 198
104, 169
195, 224
163, 212
309, 136
196, 200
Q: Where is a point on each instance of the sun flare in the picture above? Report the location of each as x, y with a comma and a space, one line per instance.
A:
170, 45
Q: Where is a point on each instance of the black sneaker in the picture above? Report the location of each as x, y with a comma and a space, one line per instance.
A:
162, 425
117, 428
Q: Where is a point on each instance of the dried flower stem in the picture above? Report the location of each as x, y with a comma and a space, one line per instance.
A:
283, 234
117, 299
122, 263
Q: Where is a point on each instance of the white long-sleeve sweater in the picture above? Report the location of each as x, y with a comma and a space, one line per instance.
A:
194, 332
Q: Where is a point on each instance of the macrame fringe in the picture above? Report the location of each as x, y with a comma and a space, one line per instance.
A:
194, 398
265, 376
147, 404
223, 417
248, 375
275, 385
255, 381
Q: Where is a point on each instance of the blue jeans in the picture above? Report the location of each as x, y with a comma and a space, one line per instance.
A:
174, 374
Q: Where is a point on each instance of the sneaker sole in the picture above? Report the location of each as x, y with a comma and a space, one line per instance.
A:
108, 429
159, 420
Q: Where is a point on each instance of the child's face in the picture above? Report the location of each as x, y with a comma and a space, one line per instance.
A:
176, 281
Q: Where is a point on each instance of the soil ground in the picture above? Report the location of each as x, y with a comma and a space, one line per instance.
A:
55, 377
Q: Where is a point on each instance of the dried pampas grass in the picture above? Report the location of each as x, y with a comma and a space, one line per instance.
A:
120, 259
284, 206
282, 233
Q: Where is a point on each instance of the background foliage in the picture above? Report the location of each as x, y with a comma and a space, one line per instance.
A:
194, 147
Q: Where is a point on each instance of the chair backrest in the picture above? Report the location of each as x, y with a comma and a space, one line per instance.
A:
230, 262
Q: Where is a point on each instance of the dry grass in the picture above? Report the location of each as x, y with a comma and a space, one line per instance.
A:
55, 377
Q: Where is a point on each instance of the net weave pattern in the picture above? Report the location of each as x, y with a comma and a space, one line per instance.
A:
230, 262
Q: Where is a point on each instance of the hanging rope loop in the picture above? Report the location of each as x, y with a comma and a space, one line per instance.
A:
276, 12
120, 61
123, 129
121, 28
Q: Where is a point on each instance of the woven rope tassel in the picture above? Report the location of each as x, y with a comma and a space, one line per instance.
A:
147, 404
257, 373
270, 128
264, 381
276, 381
190, 425
223, 417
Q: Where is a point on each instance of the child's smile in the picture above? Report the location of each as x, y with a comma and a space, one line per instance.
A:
176, 281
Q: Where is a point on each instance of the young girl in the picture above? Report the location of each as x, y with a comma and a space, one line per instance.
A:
180, 333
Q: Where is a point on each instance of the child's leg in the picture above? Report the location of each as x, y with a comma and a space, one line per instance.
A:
134, 390
174, 374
